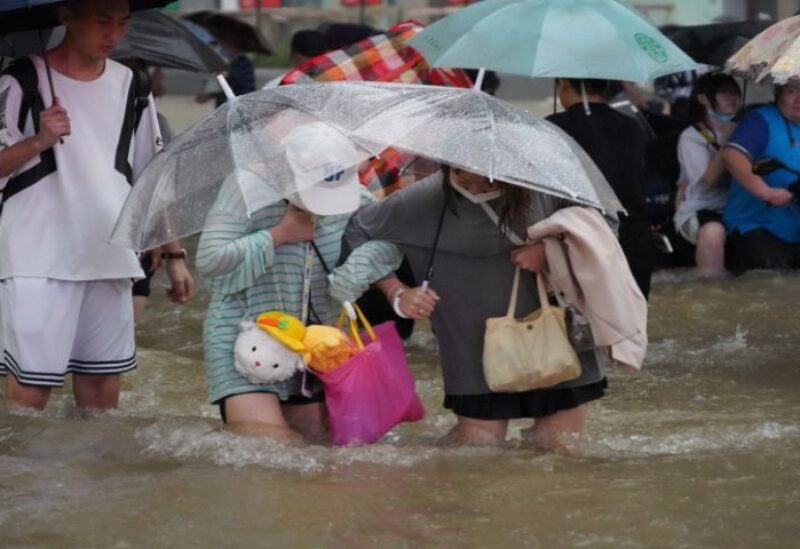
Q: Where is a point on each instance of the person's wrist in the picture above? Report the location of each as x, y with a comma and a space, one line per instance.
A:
278, 238
396, 290
174, 255
396, 303
39, 143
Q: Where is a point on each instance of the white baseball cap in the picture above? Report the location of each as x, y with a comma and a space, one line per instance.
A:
324, 163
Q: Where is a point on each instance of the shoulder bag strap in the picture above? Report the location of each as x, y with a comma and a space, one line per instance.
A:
512, 303
516, 240
24, 72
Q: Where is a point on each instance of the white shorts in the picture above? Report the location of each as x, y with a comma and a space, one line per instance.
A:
51, 327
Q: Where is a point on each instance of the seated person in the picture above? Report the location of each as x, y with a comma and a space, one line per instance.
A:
714, 102
762, 220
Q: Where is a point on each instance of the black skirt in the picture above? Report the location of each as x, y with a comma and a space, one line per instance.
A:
536, 403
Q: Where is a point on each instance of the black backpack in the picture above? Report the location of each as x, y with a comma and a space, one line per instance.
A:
24, 72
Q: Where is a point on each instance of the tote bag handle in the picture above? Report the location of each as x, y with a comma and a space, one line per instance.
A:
544, 303
352, 325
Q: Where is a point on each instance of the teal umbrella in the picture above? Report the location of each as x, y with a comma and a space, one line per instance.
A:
553, 38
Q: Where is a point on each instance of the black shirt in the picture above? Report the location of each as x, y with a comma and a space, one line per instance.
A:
616, 143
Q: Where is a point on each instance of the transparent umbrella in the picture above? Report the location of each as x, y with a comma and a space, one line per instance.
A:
244, 141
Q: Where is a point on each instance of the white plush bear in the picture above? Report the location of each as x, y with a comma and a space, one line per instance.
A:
263, 359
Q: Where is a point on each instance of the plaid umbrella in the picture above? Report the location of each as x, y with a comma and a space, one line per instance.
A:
380, 58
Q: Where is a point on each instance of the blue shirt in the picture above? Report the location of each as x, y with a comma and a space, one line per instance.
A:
763, 133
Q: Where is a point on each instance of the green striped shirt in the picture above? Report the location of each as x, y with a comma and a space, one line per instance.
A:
247, 276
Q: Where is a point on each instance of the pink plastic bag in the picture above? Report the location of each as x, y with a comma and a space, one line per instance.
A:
372, 392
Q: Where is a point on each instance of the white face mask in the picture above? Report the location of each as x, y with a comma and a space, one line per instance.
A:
474, 198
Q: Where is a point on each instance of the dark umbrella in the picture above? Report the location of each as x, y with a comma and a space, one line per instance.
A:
19, 15
152, 36
714, 43
39, 15
20, 44
237, 33
158, 39
339, 35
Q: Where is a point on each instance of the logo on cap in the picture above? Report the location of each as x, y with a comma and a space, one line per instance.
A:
332, 172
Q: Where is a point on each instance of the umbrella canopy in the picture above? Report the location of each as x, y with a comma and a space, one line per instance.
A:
20, 44
231, 30
713, 44
245, 138
553, 38
158, 39
384, 57
21, 15
152, 36
773, 54
339, 35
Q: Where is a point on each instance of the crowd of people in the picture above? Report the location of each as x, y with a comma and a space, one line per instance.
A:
733, 209
65, 295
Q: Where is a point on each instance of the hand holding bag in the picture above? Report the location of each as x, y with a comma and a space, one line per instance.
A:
533, 352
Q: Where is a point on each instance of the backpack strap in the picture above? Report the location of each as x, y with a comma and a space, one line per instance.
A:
138, 99
24, 72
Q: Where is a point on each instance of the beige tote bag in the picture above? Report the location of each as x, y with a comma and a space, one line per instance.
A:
528, 353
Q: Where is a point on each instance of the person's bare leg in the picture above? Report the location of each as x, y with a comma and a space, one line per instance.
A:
96, 392
25, 396
139, 301
710, 252
476, 432
308, 419
258, 415
560, 432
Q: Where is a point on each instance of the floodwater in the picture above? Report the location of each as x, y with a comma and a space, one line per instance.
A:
702, 448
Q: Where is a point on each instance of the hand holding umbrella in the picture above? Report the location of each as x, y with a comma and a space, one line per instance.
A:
53, 124
416, 303
38, 15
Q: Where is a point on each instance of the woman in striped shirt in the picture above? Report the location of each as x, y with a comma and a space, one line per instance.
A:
274, 260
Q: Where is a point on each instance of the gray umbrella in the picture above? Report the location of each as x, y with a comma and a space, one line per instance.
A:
159, 39
243, 141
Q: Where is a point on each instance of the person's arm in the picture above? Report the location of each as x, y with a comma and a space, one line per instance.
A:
372, 262
181, 288
530, 257
712, 176
232, 255
693, 157
53, 124
741, 168
749, 141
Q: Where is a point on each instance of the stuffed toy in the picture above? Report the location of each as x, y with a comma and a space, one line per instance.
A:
327, 348
262, 358
322, 348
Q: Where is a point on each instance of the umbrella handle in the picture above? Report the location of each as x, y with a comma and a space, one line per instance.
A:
226, 88
479, 79
48, 72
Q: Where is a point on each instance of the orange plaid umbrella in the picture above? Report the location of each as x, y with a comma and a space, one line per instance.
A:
380, 58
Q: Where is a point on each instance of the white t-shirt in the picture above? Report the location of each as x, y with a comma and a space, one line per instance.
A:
694, 155
59, 227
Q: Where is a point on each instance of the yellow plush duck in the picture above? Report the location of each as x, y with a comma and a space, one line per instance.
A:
324, 348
